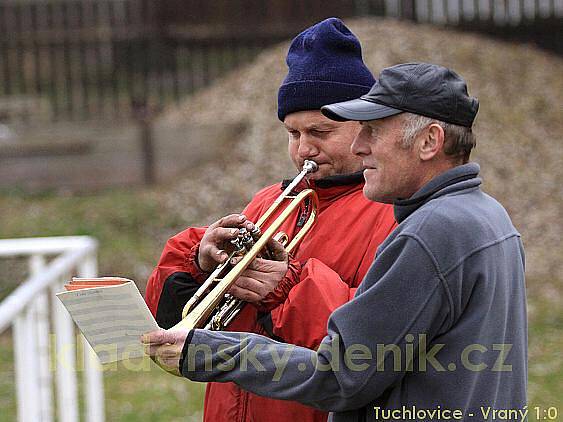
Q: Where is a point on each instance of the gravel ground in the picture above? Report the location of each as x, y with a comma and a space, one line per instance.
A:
519, 129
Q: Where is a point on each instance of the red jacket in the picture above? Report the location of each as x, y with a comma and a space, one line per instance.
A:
327, 266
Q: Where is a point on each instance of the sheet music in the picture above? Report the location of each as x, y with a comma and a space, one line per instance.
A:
112, 319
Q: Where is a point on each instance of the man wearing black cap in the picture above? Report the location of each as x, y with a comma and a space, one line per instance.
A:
437, 329
291, 299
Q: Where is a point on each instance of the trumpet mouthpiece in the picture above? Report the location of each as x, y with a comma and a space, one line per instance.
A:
310, 166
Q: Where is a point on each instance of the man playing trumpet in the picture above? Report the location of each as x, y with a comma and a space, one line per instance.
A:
292, 297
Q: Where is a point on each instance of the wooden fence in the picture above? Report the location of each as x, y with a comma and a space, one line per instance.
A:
84, 59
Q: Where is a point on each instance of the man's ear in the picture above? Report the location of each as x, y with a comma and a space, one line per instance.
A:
432, 142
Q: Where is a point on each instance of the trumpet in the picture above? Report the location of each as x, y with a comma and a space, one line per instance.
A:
211, 307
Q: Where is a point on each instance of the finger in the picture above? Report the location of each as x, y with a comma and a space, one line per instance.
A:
248, 283
255, 277
235, 260
246, 295
218, 243
257, 264
215, 254
220, 235
232, 220
261, 264
267, 266
156, 337
170, 365
249, 225
253, 286
152, 349
168, 351
252, 281
277, 250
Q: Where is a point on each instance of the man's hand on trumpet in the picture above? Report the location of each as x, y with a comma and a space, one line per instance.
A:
262, 275
215, 245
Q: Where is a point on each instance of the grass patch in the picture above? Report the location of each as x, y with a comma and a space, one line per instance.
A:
152, 395
149, 394
545, 360
7, 382
131, 226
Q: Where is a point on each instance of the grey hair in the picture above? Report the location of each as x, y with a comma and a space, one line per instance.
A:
458, 140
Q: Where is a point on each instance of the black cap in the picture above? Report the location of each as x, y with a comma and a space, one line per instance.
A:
420, 88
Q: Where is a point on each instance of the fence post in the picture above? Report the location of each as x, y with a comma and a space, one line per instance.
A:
67, 397
41, 321
30, 337
25, 399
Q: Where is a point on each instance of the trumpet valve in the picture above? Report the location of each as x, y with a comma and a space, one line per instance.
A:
238, 244
246, 239
256, 233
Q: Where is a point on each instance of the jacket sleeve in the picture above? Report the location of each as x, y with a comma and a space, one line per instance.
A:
175, 278
317, 290
346, 372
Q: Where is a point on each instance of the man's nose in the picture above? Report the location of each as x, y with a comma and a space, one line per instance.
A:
307, 147
359, 146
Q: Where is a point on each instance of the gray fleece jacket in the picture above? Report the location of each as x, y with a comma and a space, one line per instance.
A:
437, 330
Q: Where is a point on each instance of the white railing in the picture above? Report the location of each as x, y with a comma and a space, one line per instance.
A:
37, 317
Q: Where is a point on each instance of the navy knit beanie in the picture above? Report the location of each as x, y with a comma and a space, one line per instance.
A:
325, 66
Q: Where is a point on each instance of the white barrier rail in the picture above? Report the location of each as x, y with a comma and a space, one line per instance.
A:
35, 315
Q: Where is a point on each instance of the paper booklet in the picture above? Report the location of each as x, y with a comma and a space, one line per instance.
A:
111, 313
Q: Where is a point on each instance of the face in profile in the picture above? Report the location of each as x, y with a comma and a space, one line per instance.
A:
389, 167
312, 136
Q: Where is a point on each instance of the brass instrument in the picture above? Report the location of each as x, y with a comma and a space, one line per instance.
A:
211, 307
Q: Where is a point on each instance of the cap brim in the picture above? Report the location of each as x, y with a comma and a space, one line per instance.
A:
359, 109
